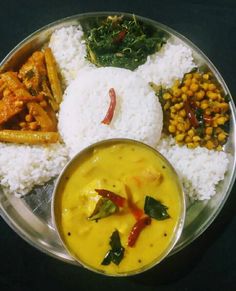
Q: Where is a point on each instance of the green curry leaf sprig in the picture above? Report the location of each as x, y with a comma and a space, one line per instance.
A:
104, 208
116, 253
155, 209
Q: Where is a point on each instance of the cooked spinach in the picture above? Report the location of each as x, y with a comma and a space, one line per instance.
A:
122, 42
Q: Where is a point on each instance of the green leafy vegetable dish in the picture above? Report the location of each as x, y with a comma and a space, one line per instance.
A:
120, 42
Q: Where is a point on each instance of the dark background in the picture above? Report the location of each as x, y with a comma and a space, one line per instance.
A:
207, 264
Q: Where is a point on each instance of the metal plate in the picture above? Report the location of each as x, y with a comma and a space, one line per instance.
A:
30, 216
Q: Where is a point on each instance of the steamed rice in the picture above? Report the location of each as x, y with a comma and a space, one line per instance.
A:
167, 65
199, 169
23, 166
69, 49
138, 113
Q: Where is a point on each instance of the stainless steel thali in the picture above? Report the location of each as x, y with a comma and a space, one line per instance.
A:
30, 216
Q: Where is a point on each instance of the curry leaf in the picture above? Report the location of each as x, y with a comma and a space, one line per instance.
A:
105, 207
155, 209
227, 98
116, 254
107, 259
226, 126
201, 123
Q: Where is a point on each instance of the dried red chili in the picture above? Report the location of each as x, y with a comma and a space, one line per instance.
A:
207, 119
190, 114
110, 112
115, 198
120, 37
137, 212
137, 228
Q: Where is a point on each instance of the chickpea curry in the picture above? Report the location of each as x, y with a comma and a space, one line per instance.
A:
29, 100
118, 207
196, 112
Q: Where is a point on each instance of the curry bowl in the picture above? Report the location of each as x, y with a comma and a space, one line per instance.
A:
118, 207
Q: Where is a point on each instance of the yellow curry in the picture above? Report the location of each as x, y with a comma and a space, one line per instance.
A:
118, 206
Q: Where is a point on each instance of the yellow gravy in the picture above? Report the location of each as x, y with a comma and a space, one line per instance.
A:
113, 167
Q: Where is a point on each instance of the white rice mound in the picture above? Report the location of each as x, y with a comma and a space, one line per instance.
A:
167, 65
23, 166
138, 113
199, 169
69, 50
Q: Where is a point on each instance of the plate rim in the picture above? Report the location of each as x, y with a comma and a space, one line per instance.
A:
76, 18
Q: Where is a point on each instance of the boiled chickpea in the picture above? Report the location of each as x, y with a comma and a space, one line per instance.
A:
172, 128
209, 130
182, 113
166, 96
194, 87
180, 137
205, 76
221, 136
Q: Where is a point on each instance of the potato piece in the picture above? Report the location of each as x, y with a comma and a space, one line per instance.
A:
146, 176
53, 76
28, 137
15, 85
152, 175
42, 117
9, 108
